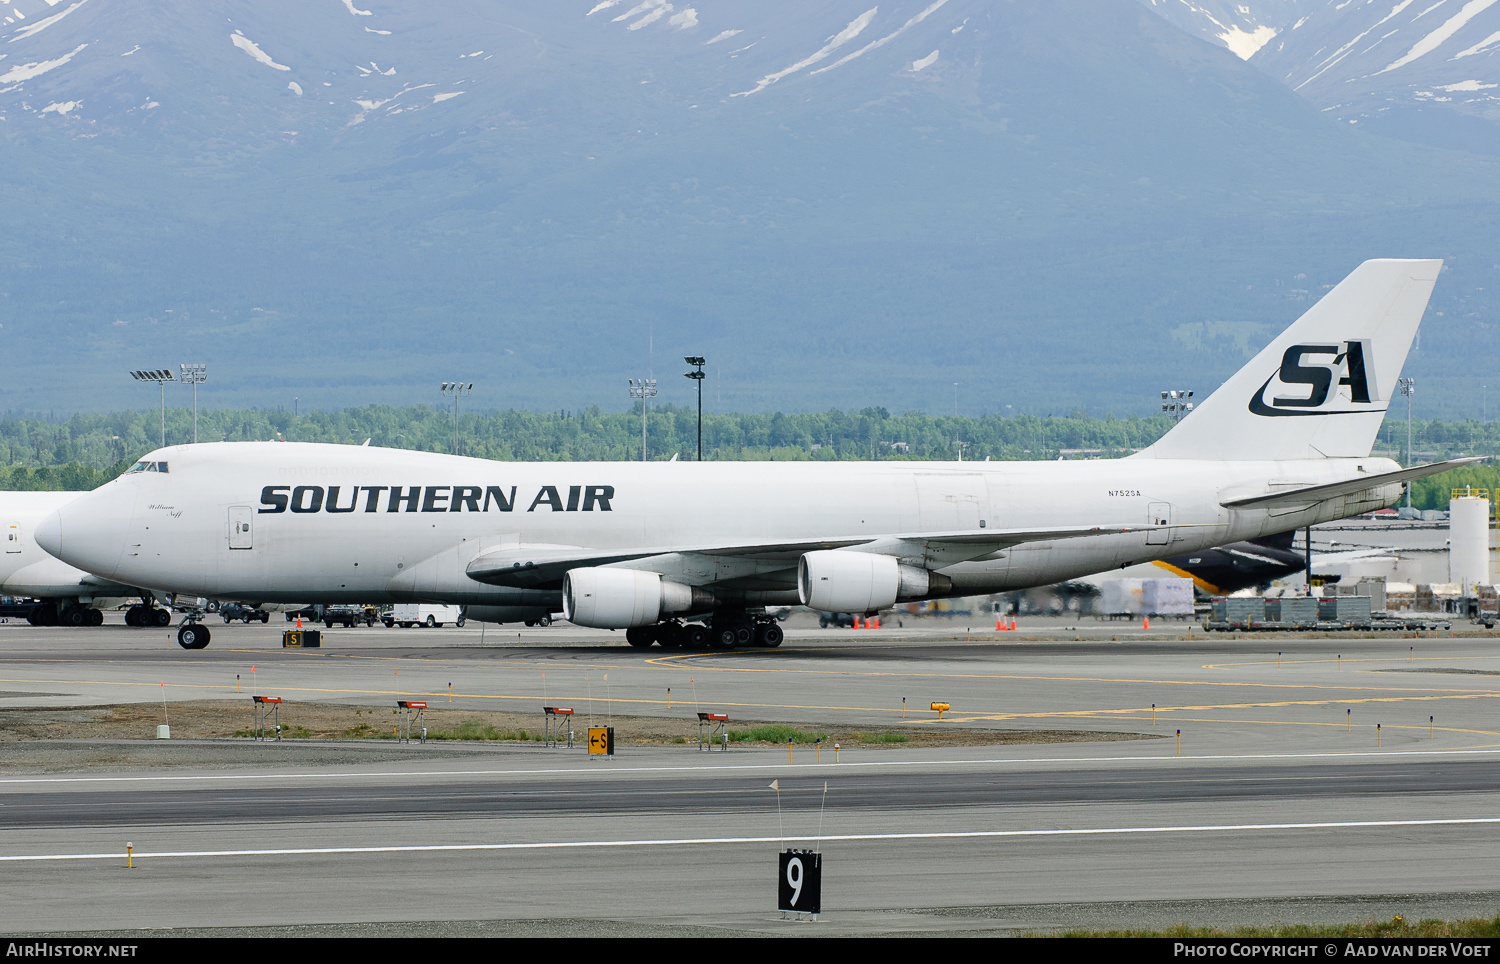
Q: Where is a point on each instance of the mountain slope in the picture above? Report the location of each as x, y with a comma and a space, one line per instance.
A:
1420, 70
1055, 204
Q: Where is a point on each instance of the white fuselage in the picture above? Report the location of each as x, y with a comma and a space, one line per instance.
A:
253, 520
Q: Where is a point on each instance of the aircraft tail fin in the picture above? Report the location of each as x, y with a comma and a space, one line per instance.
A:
1321, 388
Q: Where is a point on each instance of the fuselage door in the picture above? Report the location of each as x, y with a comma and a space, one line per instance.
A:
13, 537
239, 527
1159, 514
951, 501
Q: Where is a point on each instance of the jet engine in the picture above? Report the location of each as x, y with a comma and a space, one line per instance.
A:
840, 581
607, 598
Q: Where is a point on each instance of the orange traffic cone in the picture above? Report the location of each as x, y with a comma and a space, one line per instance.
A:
1012, 624
856, 623
1146, 622
873, 623
999, 625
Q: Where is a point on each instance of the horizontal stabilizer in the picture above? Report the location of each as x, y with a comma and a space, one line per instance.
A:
1332, 490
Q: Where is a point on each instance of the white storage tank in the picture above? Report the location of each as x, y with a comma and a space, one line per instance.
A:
1469, 538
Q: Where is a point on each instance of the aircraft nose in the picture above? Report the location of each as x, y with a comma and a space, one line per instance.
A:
49, 534
88, 533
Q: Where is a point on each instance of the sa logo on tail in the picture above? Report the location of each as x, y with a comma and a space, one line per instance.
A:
1309, 373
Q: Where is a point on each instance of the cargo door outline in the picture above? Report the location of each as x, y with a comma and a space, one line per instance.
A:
1159, 514
951, 502
240, 536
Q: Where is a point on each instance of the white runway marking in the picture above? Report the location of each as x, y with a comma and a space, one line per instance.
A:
612, 770
696, 841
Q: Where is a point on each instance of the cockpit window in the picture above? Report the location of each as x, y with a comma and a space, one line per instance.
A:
144, 466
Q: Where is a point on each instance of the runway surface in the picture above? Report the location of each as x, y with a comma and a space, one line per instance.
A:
1283, 803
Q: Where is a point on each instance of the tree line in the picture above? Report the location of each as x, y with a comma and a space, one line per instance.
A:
87, 449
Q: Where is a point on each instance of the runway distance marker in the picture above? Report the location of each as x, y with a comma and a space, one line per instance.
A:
726, 841
799, 883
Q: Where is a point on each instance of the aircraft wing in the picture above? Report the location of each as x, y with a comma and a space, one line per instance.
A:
537, 566
1330, 490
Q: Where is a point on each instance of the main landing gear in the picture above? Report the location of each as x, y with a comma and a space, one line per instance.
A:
51, 614
724, 630
143, 615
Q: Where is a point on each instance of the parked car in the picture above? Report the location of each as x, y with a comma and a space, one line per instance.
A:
246, 614
348, 615
836, 620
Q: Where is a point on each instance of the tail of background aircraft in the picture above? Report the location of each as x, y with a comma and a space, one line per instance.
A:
1320, 389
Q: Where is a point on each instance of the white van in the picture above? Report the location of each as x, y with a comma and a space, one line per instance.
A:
407, 615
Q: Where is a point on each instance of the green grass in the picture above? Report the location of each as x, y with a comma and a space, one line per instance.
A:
775, 733
882, 738
476, 729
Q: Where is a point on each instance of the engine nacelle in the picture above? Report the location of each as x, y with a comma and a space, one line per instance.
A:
837, 581
607, 598
841, 581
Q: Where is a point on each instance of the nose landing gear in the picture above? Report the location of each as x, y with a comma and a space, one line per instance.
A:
192, 635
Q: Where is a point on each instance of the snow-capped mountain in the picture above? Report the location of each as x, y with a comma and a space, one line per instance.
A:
124, 64
840, 202
1424, 70
1243, 28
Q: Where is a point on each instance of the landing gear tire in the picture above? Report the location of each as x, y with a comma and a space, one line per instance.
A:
163, 617
73, 616
96, 618
192, 636
641, 637
769, 635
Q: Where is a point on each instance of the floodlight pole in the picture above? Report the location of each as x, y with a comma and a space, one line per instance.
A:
194, 374
457, 390
1175, 403
161, 376
699, 361
1408, 388
645, 390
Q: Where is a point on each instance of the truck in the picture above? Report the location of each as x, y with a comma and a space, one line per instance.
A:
407, 615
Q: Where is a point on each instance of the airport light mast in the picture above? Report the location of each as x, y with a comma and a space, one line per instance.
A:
161, 376
195, 375
645, 390
1176, 404
457, 390
697, 376
1408, 388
